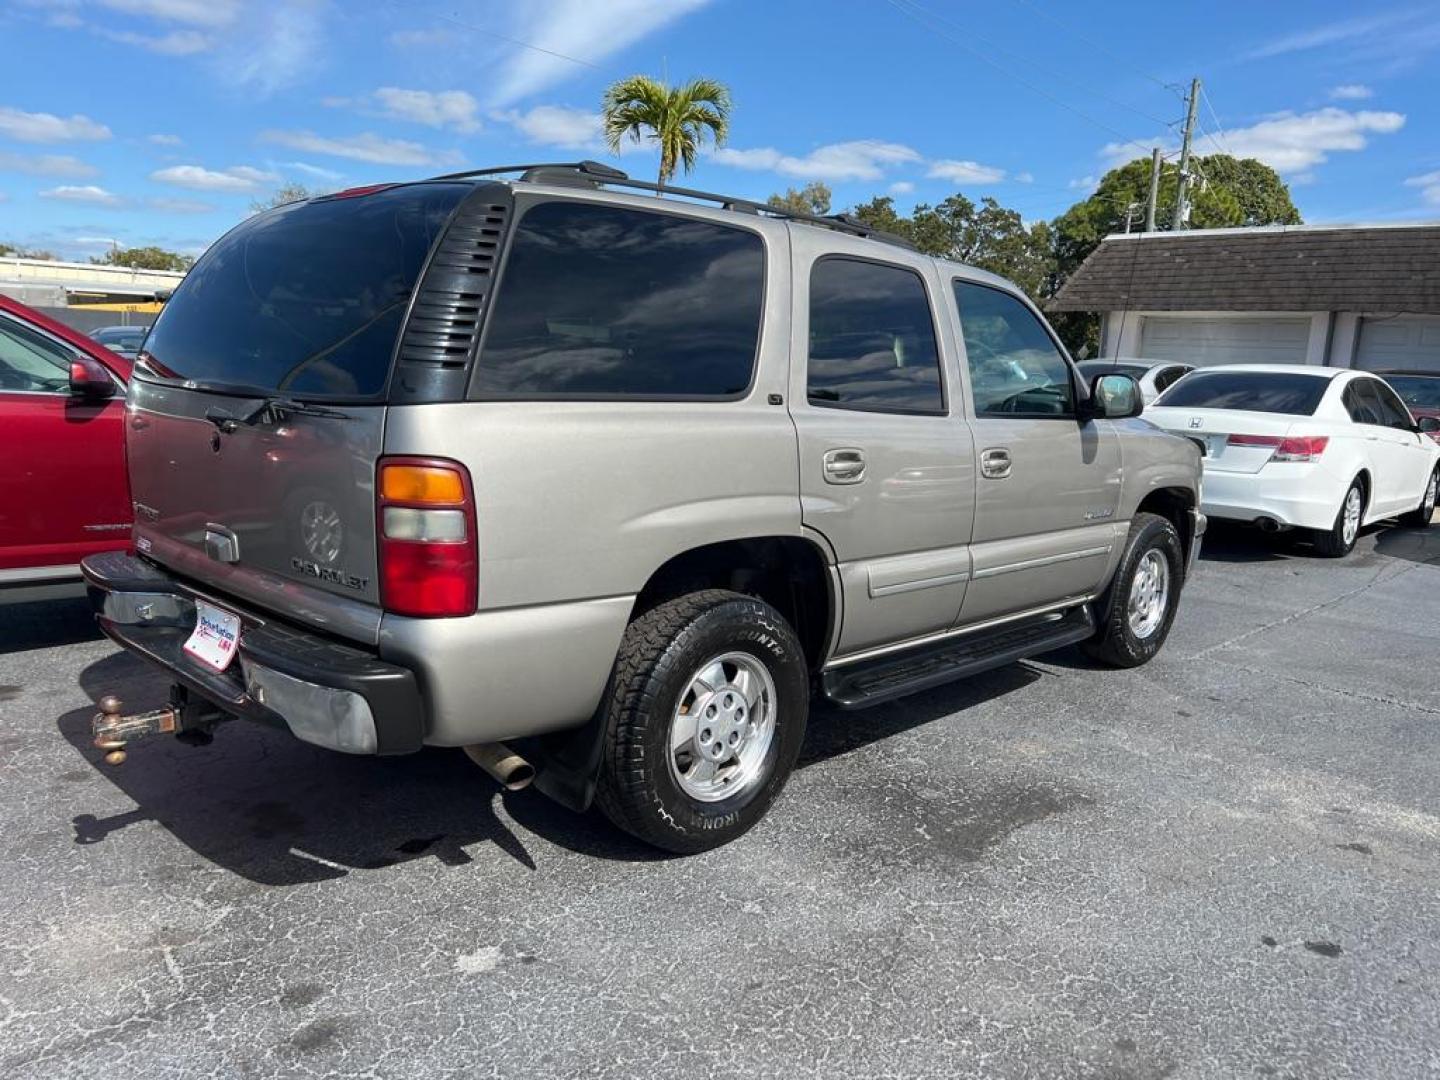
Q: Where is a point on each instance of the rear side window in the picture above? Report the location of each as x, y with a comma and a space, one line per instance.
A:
611, 302
306, 299
1251, 391
1169, 376
1394, 410
1362, 404
872, 339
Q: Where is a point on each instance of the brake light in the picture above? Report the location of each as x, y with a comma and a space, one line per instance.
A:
425, 511
1286, 448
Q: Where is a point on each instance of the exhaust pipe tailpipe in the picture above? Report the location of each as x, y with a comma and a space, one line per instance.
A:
506, 768
1268, 524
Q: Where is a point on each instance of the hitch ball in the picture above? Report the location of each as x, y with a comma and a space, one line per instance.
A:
112, 730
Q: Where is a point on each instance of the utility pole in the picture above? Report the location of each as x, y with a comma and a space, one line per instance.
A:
1154, 190
1182, 202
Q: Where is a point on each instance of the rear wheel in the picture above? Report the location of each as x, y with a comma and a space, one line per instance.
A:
1339, 540
1419, 518
705, 716
1139, 606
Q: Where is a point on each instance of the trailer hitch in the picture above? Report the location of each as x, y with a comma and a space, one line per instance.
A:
112, 730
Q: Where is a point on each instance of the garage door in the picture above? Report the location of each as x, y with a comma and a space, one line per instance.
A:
1208, 342
1402, 343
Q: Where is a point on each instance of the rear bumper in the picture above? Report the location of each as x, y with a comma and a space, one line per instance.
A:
1297, 495
327, 693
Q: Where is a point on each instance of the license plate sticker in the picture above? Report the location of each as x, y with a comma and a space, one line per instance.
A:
216, 636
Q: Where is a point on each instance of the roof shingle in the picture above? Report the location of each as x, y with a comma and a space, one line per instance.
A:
1342, 269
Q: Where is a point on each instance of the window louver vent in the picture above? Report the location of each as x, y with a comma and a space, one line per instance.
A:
445, 319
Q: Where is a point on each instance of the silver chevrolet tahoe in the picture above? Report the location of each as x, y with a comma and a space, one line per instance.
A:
602, 487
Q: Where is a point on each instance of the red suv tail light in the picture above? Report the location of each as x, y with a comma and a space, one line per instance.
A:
425, 519
1288, 448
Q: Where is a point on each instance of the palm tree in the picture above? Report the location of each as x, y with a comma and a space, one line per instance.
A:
677, 118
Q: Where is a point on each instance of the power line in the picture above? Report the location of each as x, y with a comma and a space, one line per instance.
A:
1175, 88
503, 37
920, 14
1218, 138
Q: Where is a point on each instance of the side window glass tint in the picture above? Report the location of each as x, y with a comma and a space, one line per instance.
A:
872, 339
1015, 368
31, 362
1367, 404
606, 301
1396, 414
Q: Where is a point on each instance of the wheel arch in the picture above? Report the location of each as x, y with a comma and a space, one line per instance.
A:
1175, 504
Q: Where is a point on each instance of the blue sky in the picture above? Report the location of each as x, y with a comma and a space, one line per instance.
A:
158, 121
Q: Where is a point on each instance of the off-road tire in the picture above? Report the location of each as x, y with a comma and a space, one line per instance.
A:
1420, 517
1331, 542
658, 655
1115, 643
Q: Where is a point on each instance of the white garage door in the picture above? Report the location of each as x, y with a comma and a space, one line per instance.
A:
1208, 342
1402, 343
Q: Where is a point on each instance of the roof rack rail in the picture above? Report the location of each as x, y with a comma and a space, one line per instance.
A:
599, 173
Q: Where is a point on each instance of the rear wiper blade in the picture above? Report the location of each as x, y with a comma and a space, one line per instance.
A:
271, 410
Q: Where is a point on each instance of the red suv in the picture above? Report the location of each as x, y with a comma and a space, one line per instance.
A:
63, 490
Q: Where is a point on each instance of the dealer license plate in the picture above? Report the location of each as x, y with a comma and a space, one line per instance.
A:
217, 633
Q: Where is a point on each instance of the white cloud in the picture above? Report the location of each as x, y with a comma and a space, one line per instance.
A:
1351, 92
192, 12
60, 166
1328, 34
47, 128
863, 159
1429, 185
557, 30
558, 125
438, 109
1086, 182
901, 187
160, 139
366, 146
273, 46
1024, 178
965, 172
83, 193
312, 170
181, 206
1292, 142
174, 43
237, 178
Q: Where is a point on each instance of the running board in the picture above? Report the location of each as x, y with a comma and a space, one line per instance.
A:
888, 677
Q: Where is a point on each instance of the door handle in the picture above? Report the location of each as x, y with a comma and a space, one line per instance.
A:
845, 466
995, 463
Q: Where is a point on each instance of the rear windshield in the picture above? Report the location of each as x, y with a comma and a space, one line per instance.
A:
306, 299
1091, 368
1251, 391
1421, 391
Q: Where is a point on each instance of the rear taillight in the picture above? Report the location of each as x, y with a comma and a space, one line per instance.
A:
425, 515
1286, 448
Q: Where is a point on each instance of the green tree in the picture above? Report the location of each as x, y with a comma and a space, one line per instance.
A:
677, 119
285, 193
145, 258
14, 252
813, 198
989, 236
1225, 193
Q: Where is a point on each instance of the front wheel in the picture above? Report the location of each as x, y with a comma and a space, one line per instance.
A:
1419, 518
704, 720
1339, 540
1137, 609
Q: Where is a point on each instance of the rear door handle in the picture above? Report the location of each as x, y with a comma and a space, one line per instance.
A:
995, 463
844, 466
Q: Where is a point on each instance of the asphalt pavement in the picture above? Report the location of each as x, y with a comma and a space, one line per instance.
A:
1224, 864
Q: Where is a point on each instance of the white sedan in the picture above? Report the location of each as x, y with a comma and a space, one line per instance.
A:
1324, 449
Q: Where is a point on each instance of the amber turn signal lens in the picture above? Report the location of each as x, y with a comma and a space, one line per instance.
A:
428, 485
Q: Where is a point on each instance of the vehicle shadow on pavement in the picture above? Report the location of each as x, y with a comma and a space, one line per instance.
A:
1233, 543
1415, 545
45, 624
279, 812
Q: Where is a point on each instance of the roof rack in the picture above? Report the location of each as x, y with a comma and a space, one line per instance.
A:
597, 173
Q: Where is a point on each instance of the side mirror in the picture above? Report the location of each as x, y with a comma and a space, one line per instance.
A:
90, 380
1115, 397
1428, 425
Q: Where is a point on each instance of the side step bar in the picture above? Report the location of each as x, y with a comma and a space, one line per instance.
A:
888, 677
